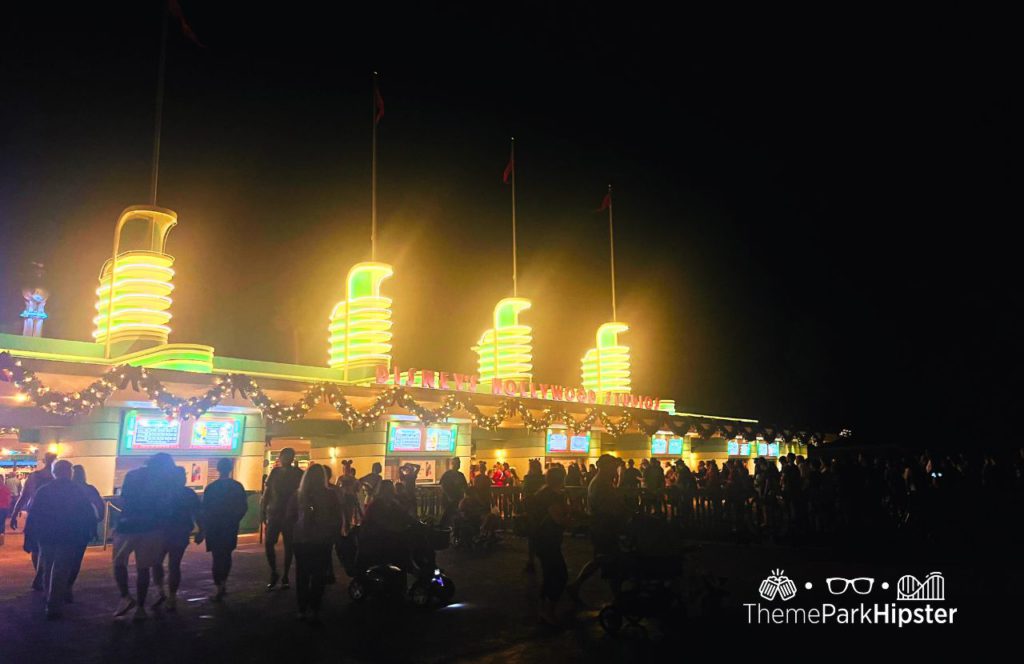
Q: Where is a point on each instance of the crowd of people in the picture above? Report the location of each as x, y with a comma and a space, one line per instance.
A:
315, 516
158, 517
316, 519
795, 496
827, 495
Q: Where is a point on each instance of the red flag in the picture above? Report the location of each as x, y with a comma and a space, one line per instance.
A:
509, 170
186, 29
380, 105
605, 203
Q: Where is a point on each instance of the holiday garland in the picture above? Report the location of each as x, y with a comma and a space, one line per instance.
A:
121, 377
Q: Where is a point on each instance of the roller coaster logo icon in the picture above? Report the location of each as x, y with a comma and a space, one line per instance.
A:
777, 585
931, 588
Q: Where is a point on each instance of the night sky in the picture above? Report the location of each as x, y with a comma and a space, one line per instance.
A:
808, 222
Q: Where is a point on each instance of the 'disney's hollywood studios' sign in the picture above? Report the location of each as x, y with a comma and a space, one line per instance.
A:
443, 380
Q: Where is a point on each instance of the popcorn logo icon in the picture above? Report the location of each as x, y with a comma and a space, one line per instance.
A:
777, 585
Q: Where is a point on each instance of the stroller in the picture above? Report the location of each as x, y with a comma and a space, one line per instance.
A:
383, 571
648, 578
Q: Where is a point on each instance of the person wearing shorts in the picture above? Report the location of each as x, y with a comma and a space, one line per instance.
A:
146, 499
607, 518
282, 484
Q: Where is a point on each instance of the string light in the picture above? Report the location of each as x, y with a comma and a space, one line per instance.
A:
139, 379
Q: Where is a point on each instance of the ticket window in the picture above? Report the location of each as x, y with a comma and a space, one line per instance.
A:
192, 443
428, 446
668, 445
563, 446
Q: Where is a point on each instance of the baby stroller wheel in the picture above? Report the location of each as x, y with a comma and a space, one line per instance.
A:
447, 592
611, 619
357, 589
420, 594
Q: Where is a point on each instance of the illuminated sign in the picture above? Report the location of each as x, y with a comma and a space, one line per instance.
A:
405, 438
505, 351
557, 442
414, 437
148, 432
605, 368
734, 448
215, 433
667, 444
360, 327
562, 441
580, 444
443, 380
744, 449
773, 449
441, 439
762, 449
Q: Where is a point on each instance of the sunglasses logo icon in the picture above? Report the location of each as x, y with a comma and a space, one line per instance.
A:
861, 585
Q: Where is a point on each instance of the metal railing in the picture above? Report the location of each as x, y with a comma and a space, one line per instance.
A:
250, 522
108, 506
703, 511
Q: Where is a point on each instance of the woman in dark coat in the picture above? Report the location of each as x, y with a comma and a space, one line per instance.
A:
224, 505
317, 515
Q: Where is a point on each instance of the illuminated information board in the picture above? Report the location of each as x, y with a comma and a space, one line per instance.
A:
667, 444
414, 437
215, 433
150, 431
560, 441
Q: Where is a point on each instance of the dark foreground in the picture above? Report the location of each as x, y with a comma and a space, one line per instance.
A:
493, 618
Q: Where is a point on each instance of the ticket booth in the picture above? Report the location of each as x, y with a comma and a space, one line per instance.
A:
565, 447
429, 446
195, 444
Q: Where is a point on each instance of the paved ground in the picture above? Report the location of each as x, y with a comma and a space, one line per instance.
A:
492, 619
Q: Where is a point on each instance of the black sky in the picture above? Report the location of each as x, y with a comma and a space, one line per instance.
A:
808, 214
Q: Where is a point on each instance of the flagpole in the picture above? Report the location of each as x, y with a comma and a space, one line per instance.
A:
611, 245
154, 174
515, 282
158, 121
373, 173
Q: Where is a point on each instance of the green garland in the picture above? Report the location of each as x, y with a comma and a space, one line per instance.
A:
139, 379
121, 377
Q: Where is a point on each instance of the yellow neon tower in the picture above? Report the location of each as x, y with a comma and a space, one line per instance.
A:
360, 327
140, 297
605, 368
506, 351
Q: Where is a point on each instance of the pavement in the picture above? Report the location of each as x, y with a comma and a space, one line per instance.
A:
493, 617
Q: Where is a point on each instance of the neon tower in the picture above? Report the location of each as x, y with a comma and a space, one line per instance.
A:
605, 368
140, 298
360, 326
506, 351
